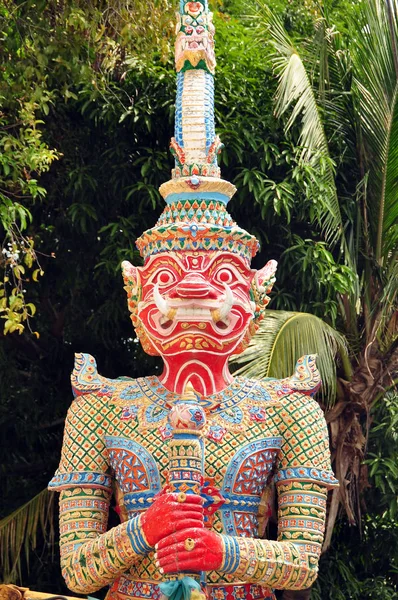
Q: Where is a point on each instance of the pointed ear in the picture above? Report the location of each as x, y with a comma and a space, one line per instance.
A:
130, 274
262, 284
265, 277
132, 285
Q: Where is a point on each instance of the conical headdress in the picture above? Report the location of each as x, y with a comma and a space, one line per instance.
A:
195, 216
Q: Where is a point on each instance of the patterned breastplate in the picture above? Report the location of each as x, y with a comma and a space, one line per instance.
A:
241, 445
238, 463
241, 442
241, 438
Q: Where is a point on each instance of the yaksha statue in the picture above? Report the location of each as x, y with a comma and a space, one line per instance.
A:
191, 454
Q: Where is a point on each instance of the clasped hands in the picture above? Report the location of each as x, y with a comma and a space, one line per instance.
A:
174, 525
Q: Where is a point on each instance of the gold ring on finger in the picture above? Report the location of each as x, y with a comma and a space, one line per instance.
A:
181, 497
189, 544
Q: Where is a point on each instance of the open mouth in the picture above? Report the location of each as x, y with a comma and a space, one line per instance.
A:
168, 318
192, 319
192, 310
193, 43
196, 321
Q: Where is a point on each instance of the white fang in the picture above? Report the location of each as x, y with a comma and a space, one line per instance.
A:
160, 302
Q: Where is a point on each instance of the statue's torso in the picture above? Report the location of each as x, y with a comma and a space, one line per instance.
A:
124, 440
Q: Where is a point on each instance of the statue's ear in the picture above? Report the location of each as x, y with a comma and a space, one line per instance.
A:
132, 285
262, 284
130, 274
265, 277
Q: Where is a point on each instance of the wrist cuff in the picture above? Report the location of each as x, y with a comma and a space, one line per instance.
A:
231, 554
136, 536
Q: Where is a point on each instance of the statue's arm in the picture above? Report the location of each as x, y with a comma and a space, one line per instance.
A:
291, 562
92, 557
303, 478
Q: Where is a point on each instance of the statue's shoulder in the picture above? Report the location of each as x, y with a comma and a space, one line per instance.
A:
85, 380
306, 377
306, 380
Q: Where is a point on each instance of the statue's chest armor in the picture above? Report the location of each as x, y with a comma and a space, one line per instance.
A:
241, 444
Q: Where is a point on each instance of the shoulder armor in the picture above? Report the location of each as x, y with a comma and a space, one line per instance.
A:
306, 377
85, 378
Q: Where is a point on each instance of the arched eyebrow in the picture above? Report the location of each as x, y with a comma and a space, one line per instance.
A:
165, 262
246, 272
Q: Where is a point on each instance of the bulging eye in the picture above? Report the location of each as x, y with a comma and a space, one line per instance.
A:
165, 277
224, 276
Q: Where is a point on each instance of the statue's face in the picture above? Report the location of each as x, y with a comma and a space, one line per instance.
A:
195, 37
197, 302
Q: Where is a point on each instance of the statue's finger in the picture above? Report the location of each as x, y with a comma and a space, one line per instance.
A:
166, 554
180, 536
183, 498
168, 541
196, 517
186, 563
190, 508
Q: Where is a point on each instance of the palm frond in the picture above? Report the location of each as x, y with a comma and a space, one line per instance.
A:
388, 306
18, 533
295, 93
376, 85
283, 337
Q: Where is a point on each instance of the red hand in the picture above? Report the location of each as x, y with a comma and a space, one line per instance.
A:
166, 515
206, 555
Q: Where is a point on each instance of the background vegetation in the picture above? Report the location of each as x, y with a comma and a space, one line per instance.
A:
87, 107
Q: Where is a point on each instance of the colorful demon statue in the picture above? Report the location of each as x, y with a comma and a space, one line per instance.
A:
190, 456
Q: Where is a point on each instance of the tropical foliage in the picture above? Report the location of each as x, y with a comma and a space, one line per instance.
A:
87, 95
19, 532
341, 99
285, 336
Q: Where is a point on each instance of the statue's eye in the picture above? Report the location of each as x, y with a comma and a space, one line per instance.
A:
224, 276
165, 277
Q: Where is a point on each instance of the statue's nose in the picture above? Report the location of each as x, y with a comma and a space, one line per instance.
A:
194, 285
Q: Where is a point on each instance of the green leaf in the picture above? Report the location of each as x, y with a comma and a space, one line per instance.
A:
295, 94
376, 87
18, 533
283, 337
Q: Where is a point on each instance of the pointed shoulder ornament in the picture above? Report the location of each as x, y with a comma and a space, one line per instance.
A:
306, 377
85, 378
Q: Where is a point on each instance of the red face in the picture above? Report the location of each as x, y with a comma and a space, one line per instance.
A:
195, 301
